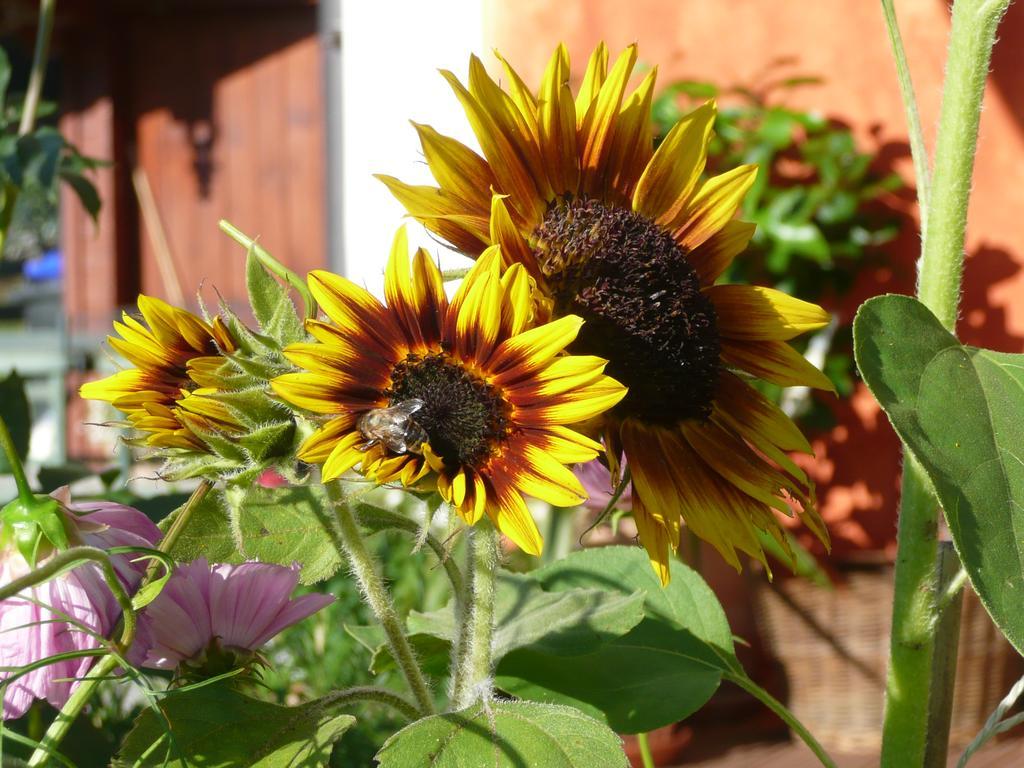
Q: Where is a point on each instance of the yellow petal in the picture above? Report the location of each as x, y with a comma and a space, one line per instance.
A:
540, 475
575, 406
593, 79
712, 257
429, 296
633, 142
775, 361
450, 217
598, 130
756, 313
354, 309
519, 356
512, 171
505, 233
655, 538
712, 206
511, 516
558, 125
666, 183
343, 457
317, 447
564, 444
457, 169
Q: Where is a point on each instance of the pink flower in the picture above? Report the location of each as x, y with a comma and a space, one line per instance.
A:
31, 625
597, 482
209, 610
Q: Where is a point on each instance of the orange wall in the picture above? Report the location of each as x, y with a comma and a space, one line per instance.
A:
844, 41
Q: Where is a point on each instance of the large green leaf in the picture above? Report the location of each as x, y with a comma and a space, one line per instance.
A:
14, 409
505, 734
663, 670
285, 526
961, 412
560, 623
215, 726
208, 533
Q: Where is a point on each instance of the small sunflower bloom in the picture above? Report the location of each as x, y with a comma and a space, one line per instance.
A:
461, 394
633, 239
176, 356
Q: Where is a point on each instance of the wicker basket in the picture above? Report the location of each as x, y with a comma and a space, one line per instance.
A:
834, 645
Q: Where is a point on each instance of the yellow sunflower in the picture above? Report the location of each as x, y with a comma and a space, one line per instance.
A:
462, 393
176, 356
632, 239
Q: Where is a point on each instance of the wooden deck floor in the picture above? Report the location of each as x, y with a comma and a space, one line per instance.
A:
1008, 754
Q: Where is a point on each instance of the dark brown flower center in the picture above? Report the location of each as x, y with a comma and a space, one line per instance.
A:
464, 416
642, 304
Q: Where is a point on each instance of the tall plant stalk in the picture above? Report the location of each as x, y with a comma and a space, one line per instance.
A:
915, 629
37, 75
475, 647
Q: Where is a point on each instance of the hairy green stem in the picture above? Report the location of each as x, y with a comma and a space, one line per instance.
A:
69, 712
178, 525
474, 650
14, 461
275, 266
374, 693
909, 688
947, 643
784, 714
372, 586
369, 515
972, 35
918, 151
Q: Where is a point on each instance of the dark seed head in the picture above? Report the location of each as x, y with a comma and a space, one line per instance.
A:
464, 417
642, 304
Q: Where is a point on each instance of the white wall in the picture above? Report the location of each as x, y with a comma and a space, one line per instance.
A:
390, 54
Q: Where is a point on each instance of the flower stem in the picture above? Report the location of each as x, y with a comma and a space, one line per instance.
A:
14, 461
69, 712
915, 627
371, 693
177, 527
81, 695
971, 38
784, 714
272, 264
646, 758
377, 597
474, 650
30, 106
918, 151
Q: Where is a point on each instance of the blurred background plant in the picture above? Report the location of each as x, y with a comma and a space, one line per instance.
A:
817, 202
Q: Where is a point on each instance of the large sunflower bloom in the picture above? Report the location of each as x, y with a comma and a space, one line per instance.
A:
633, 240
176, 356
478, 401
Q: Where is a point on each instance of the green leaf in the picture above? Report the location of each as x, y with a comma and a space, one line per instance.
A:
285, 526
560, 623
5, 81
271, 303
52, 478
960, 410
505, 734
215, 726
208, 533
664, 669
86, 192
14, 409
